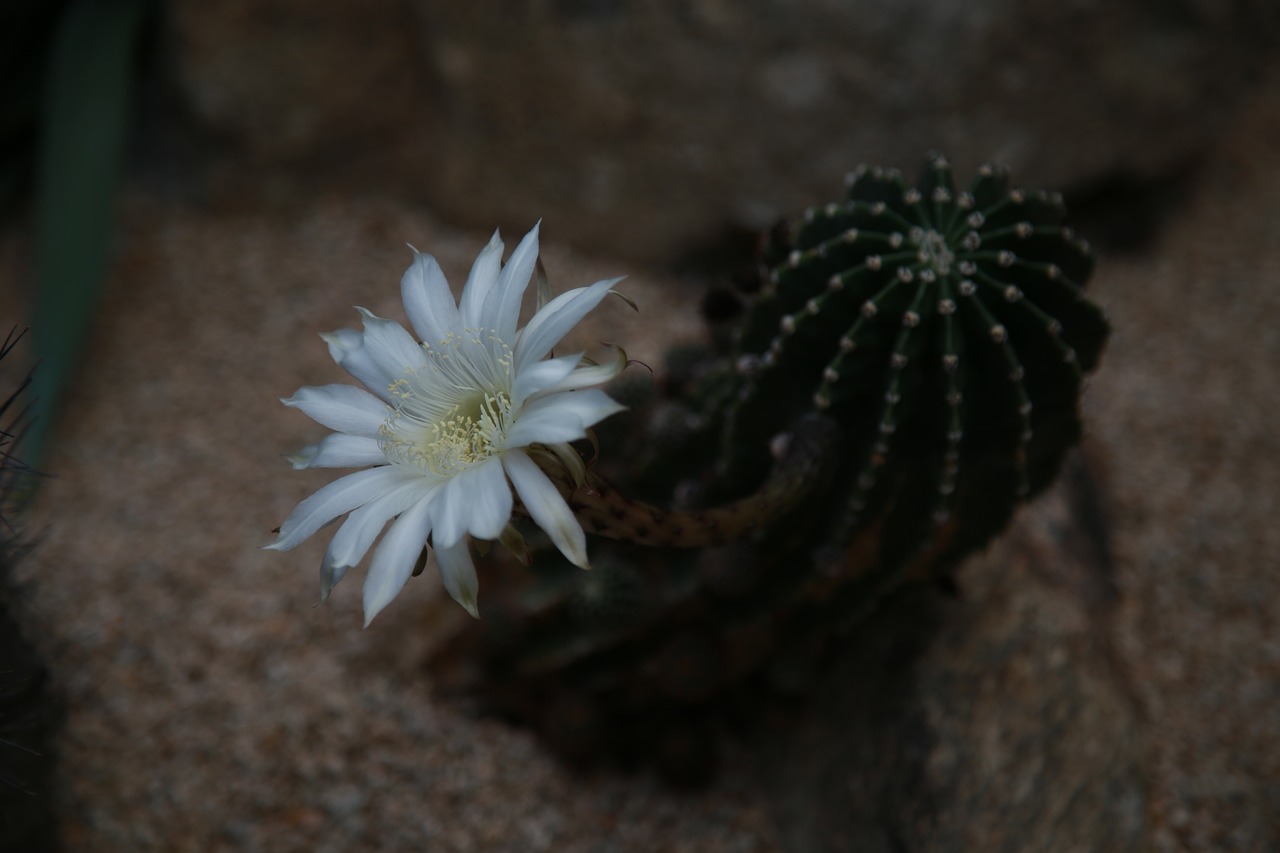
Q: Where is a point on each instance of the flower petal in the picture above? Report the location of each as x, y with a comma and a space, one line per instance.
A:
594, 374
347, 348
390, 346
344, 408
340, 496
339, 450
393, 561
490, 498
428, 300
451, 517
477, 501
554, 321
356, 535
541, 375
513, 541
570, 460
560, 417
331, 574
459, 575
502, 308
484, 275
546, 507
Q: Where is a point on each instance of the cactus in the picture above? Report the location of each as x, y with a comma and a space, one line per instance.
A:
948, 333
920, 351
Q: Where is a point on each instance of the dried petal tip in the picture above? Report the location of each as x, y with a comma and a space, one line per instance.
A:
302, 458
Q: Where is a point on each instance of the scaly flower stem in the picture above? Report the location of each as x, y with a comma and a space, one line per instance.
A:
798, 473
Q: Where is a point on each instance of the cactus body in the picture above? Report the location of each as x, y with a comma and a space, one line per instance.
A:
947, 332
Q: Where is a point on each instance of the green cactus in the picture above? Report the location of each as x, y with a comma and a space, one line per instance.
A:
948, 333
921, 349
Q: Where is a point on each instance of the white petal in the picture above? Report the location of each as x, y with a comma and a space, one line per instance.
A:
548, 510
339, 450
477, 501
428, 300
554, 321
560, 417
595, 374
390, 346
340, 496
347, 348
541, 375
341, 341
394, 560
451, 512
344, 408
331, 574
502, 308
544, 427
459, 575
484, 275
490, 499
356, 535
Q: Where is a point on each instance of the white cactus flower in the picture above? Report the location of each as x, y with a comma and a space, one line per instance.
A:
449, 425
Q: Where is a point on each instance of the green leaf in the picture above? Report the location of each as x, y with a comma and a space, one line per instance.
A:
84, 121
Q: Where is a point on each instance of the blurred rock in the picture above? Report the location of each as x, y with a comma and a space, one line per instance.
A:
296, 81
646, 126
652, 128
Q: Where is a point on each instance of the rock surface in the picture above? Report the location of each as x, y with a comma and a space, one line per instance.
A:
1000, 720
650, 129
296, 81
1187, 410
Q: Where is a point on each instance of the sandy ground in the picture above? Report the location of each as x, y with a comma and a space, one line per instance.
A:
212, 705
1186, 408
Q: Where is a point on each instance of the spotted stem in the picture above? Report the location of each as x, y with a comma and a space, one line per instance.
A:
804, 459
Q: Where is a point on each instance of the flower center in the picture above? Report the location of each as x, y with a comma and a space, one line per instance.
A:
444, 442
